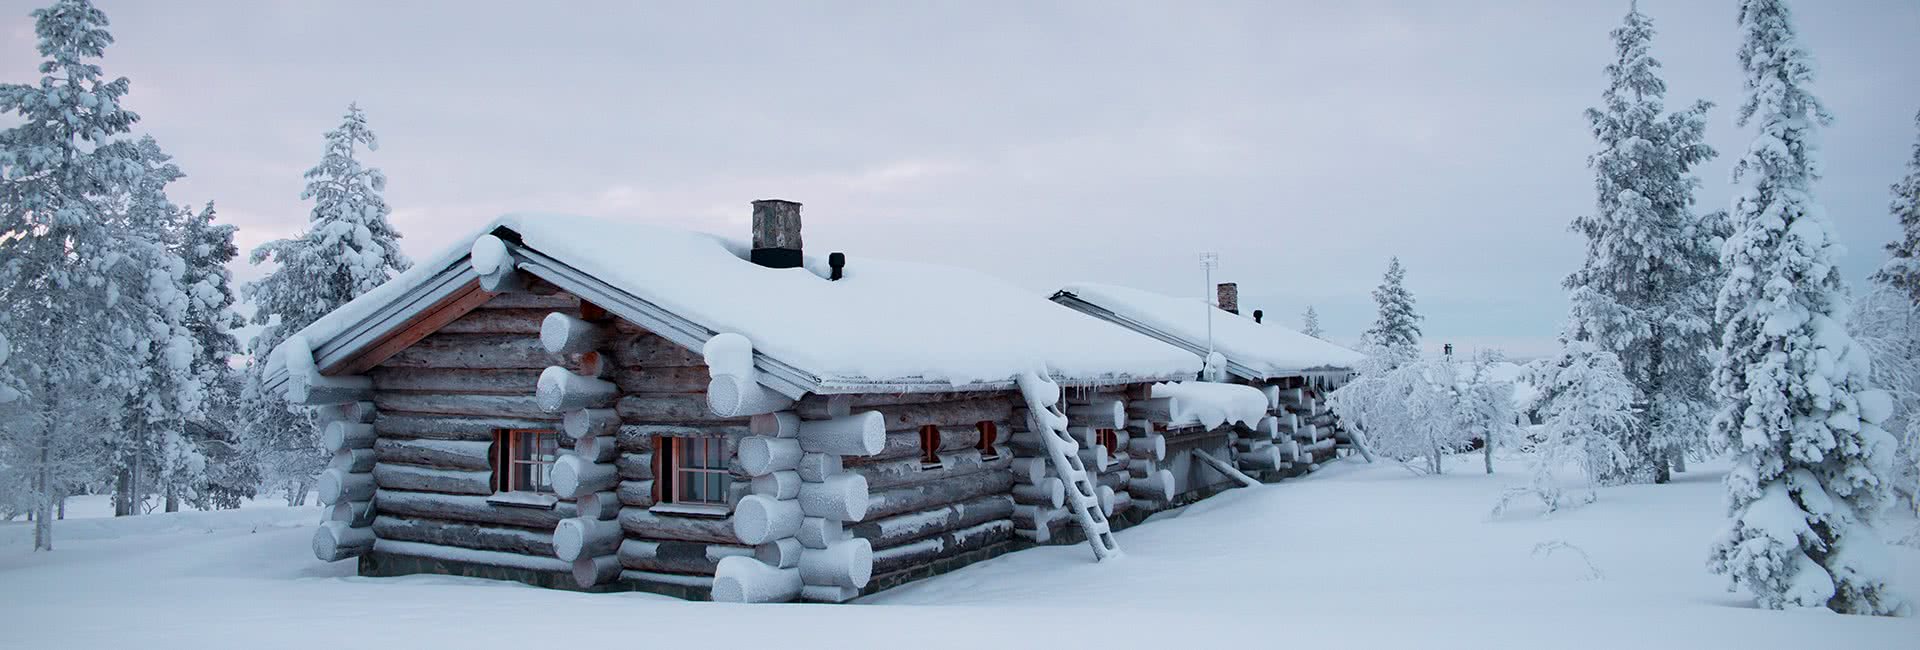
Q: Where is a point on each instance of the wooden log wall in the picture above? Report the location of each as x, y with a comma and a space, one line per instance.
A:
437, 404
921, 513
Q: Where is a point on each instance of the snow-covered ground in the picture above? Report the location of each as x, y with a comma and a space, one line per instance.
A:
1354, 556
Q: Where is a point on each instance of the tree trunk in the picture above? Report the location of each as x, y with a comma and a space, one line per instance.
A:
173, 497
1488, 446
1679, 461
122, 494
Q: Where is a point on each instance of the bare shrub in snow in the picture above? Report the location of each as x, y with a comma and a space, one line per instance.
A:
1592, 402
1406, 407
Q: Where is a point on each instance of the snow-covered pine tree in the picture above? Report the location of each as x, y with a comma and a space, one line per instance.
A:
62, 285
1651, 265
207, 247
1310, 323
348, 249
1396, 325
148, 450
1812, 467
1902, 269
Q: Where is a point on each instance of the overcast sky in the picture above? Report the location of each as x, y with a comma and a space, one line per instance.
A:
1046, 142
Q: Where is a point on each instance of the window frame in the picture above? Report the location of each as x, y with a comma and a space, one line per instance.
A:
672, 473
507, 461
1110, 438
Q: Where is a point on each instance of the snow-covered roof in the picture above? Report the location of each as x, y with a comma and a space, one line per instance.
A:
886, 326
1253, 350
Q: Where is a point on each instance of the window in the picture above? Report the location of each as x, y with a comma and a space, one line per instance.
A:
929, 447
1110, 439
693, 471
523, 460
989, 434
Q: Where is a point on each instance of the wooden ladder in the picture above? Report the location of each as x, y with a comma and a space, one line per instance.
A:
1045, 419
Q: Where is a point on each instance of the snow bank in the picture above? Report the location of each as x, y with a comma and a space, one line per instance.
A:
1214, 404
20, 534
1268, 348
1399, 562
884, 321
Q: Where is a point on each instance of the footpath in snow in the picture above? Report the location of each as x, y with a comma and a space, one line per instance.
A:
1353, 556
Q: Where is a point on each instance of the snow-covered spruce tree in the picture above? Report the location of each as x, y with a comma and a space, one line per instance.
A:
1902, 269
1310, 323
1486, 409
62, 269
1593, 401
1396, 325
1651, 266
348, 249
207, 248
148, 449
1812, 467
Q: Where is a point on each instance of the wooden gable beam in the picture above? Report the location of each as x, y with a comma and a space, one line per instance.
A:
466, 299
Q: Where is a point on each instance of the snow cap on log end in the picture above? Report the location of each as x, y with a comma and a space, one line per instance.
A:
728, 353
489, 255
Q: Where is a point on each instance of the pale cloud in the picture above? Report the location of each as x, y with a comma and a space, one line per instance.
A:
1304, 141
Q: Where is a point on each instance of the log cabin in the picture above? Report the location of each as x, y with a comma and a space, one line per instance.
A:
1292, 370
608, 406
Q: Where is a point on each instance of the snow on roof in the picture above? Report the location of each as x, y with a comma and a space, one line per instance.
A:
1268, 349
883, 321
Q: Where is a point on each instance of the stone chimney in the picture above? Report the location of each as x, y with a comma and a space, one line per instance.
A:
776, 234
1229, 293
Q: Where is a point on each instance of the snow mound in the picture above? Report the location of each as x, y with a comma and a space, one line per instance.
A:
1213, 404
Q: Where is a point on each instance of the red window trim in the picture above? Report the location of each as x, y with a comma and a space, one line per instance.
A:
989, 435
929, 446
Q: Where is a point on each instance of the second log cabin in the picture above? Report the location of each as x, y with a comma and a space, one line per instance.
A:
1292, 370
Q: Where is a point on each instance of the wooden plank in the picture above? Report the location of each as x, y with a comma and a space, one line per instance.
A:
669, 408
661, 379
466, 299
645, 524
474, 351
650, 350
523, 322
506, 539
468, 508
906, 527
477, 381
477, 406
447, 427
